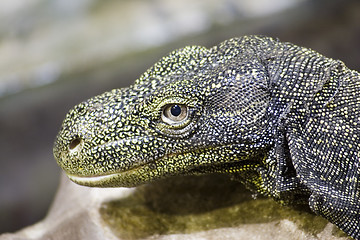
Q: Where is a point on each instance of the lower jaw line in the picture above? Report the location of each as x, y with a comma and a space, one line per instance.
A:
94, 179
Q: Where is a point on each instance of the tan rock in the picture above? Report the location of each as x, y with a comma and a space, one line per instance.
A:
207, 207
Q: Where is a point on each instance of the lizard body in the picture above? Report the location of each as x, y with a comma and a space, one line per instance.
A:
283, 119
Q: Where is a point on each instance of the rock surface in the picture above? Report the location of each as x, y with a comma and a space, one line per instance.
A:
206, 207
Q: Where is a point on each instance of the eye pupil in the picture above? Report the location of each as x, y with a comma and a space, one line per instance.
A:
175, 110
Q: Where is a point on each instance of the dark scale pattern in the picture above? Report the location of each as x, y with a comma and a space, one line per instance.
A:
282, 119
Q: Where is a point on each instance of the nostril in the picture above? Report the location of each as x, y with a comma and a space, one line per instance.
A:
74, 143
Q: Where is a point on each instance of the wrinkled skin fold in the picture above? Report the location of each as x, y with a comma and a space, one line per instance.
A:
282, 119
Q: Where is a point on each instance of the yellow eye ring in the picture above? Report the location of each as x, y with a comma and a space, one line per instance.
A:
174, 113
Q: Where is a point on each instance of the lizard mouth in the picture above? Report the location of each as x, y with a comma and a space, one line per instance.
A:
163, 166
127, 178
94, 180
132, 177
159, 168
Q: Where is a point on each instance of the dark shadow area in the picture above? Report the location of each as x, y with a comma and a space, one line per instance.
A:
197, 203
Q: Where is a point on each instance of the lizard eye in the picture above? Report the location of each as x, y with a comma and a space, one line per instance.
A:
174, 113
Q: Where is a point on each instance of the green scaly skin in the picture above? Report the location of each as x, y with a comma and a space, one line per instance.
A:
282, 119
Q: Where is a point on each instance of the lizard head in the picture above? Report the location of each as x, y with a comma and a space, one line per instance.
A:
195, 111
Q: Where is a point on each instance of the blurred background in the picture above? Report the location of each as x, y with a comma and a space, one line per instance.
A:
56, 53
